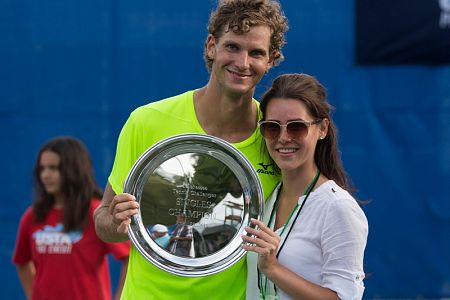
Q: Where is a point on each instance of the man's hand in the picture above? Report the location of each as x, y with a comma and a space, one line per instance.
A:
113, 216
122, 207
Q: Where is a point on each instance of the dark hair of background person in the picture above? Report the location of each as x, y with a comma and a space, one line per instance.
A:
240, 16
78, 184
308, 89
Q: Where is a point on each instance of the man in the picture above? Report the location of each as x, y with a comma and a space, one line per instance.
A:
160, 235
244, 41
181, 241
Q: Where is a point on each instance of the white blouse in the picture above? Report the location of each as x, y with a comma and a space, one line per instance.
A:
325, 246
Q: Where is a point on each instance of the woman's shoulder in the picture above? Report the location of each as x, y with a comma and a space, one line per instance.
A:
331, 195
341, 204
28, 214
336, 210
332, 192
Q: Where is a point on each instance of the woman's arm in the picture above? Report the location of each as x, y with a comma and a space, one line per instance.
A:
26, 274
296, 286
123, 275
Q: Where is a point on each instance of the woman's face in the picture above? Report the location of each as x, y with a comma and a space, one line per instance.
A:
292, 152
49, 172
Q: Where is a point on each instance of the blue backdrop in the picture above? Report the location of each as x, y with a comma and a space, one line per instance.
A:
80, 67
402, 32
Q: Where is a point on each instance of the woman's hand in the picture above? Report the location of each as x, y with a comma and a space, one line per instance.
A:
265, 242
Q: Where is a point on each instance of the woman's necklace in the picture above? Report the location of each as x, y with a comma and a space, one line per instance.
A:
263, 288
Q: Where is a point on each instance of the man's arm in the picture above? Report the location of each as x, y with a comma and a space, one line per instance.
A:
112, 217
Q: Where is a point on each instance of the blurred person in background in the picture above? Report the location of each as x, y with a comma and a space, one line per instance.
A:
160, 233
58, 254
311, 243
182, 238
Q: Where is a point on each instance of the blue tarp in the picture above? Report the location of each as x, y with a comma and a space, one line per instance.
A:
80, 67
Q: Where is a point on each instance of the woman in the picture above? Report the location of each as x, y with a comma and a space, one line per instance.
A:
313, 244
58, 255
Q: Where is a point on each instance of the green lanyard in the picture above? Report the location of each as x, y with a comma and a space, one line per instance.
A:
263, 288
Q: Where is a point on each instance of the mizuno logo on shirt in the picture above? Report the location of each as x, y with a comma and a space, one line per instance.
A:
265, 169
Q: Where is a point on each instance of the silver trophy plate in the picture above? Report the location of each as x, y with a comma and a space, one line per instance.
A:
196, 195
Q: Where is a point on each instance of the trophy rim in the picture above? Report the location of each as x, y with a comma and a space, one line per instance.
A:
252, 194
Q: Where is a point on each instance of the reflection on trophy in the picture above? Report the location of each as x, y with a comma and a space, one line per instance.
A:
160, 234
204, 191
196, 190
181, 240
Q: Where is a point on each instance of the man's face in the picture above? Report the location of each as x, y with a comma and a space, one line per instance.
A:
240, 60
181, 219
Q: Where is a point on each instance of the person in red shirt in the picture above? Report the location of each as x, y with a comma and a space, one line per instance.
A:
58, 254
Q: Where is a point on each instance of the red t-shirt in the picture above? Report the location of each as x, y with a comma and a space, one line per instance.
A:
69, 265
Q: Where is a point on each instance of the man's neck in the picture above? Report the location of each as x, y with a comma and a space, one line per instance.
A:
230, 118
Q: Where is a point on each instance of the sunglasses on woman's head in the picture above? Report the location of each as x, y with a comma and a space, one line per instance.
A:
271, 130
